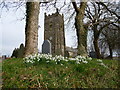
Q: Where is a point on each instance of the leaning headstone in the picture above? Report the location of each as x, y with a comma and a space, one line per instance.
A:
46, 47
92, 54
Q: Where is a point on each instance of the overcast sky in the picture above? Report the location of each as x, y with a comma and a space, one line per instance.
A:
13, 31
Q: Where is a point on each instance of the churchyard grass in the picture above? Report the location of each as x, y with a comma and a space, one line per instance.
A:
64, 73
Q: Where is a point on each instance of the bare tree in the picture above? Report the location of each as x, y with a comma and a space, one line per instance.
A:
100, 19
111, 38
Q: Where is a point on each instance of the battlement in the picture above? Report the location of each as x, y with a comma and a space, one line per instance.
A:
57, 14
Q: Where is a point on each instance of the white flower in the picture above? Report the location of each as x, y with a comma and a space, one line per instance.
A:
84, 61
103, 65
72, 59
47, 61
66, 60
89, 58
49, 58
99, 60
78, 62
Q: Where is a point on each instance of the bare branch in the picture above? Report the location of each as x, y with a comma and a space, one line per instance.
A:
75, 7
101, 3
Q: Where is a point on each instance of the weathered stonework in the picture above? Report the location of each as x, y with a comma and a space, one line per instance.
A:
54, 32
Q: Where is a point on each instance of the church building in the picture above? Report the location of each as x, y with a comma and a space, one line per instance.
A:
54, 32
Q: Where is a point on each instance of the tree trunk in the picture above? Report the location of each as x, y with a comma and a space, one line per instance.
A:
97, 50
110, 50
80, 30
95, 41
31, 29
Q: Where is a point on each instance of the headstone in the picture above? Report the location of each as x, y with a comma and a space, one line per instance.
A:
46, 47
4, 57
92, 54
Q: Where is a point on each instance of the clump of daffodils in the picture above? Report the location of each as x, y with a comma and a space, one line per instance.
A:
57, 59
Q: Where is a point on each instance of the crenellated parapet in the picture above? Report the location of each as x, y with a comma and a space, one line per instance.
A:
54, 15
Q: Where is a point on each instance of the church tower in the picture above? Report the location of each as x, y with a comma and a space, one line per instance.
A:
54, 32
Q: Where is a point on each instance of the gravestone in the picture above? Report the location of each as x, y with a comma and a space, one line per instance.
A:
46, 47
92, 54
4, 57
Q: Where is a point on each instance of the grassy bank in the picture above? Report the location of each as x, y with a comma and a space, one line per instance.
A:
17, 74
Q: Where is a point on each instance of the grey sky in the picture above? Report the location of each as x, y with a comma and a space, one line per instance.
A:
12, 31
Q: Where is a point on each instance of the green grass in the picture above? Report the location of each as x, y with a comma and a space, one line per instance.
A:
17, 74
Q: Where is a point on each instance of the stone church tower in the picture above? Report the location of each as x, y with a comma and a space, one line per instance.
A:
54, 32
